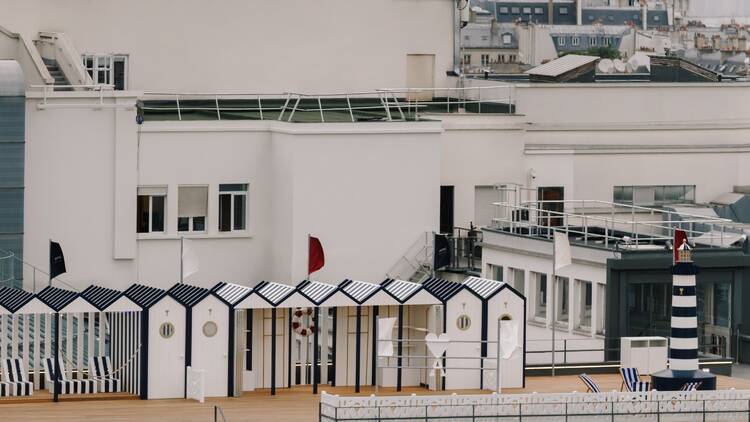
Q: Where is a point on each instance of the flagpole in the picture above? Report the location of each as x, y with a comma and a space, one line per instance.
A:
308, 257
182, 246
554, 297
50, 264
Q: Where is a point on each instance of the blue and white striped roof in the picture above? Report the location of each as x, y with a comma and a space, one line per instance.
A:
64, 301
188, 295
401, 290
359, 291
483, 287
270, 294
315, 291
144, 296
108, 300
442, 289
11, 300
231, 293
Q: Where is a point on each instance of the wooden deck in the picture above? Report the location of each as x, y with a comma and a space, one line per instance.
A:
295, 404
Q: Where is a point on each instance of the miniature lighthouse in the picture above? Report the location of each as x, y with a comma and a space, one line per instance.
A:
683, 347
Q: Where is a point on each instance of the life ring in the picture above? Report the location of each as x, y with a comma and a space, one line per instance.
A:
303, 331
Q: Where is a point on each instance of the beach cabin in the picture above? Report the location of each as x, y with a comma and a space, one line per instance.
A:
415, 318
163, 342
239, 332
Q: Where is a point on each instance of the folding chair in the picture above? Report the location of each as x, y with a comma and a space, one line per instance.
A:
691, 386
590, 384
14, 376
632, 381
66, 386
100, 370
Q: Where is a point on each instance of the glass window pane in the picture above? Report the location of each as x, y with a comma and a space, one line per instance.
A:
142, 214
690, 193
562, 299
541, 295
225, 212
183, 224
199, 224
157, 213
239, 212
234, 187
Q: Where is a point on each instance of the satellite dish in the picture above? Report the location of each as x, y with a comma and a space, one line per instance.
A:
619, 66
605, 66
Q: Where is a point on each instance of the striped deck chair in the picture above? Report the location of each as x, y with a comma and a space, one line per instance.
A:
100, 370
631, 380
14, 376
590, 384
4, 389
66, 386
691, 386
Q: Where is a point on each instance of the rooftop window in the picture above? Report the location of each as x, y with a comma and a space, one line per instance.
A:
563, 10
503, 10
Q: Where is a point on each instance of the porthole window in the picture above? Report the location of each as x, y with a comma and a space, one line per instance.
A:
463, 322
210, 329
166, 330
506, 317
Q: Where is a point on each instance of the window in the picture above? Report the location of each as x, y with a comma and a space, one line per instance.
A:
538, 11
485, 58
607, 41
232, 207
592, 41
210, 329
654, 195
512, 58
518, 279
584, 296
563, 10
467, 58
110, 69
561, 41
463, 322
540, 291
495, 272
151, 205
166, 330
526, 10
657, 18
501, 58
563, 304
507, 39
192, 204
515, 10
503, 10
601, 298
575, 41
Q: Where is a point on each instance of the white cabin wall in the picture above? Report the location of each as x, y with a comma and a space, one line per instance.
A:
463, 303
506, 303
211, 353
166, 356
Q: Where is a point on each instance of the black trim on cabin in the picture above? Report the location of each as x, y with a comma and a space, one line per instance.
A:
289, 352
273, 351
400, 346
374, 332
13, 299
231, 361
357, 349
316, 353
387, 282
334, 310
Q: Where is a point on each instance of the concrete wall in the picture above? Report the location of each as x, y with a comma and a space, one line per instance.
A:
236, 45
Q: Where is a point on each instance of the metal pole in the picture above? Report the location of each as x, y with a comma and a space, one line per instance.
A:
377, 359
182, 250
554, 299
498, 383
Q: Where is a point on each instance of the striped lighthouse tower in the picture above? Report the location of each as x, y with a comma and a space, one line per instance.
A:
683, 349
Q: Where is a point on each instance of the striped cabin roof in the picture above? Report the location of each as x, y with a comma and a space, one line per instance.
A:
101, 297
315, 291
231, 293
13, 299
442, 289
273, 293
144, 296
57, 298
359, 291
401, 290
483, 287
187, 294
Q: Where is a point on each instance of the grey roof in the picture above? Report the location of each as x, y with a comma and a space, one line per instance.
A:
57, 298
187, 294
101, 297
401, 290
12, 82
14, 299
231, 293
315, 291
562, 65
144, 296
273, 293
359, 291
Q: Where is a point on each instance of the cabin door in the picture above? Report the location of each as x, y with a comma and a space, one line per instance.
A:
166, 350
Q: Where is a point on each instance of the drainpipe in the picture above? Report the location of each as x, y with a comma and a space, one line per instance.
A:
458, 23
644, 15
551, 12
579, 12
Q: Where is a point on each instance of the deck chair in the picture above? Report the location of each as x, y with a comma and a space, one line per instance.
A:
691, 386
4, 389
590, 384
100, 370
14, 376
631, 380
66, 386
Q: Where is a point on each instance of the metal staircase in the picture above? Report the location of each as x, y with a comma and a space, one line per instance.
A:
57, 73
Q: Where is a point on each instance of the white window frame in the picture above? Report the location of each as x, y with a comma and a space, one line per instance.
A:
151, 211
484, 59
575, 41
234, 195
190, 219
467, 58
563, 10
561, 41
593, 41
106, 63
507, 39
526, 10
504, 10
538, 11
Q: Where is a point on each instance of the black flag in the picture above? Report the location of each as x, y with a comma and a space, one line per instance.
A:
56, 260
442, 251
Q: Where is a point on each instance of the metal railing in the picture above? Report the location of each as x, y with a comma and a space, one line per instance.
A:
7, 269
416, 260
219, 413
393, 104
39, 277
612, 224
100, 88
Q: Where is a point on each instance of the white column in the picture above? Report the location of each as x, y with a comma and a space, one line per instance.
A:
571, 304
550, 298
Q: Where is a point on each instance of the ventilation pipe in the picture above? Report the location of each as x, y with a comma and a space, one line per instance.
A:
579, 12
644, 14
551, 12
461, 13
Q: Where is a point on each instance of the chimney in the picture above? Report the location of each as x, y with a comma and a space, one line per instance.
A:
551, 12
644, 14
579, 12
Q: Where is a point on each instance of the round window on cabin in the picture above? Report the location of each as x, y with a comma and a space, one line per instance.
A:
210, 329
166, 330
506, 317
463, 322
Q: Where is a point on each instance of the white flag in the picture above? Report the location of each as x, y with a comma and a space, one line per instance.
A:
189, 259
562, 251
385, 336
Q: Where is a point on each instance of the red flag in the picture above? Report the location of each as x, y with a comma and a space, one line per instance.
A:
315, 258
679, 238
